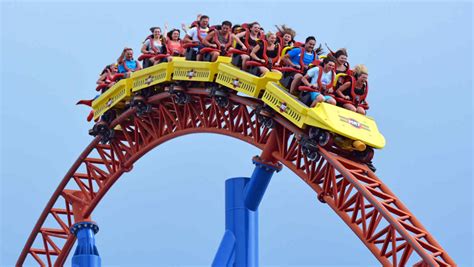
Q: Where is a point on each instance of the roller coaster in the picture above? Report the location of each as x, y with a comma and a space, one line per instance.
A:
330, 148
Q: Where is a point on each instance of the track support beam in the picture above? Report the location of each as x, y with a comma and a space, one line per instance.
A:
239, 246
86, 254
259, 181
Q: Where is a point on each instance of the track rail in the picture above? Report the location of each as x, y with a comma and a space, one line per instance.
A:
353, 191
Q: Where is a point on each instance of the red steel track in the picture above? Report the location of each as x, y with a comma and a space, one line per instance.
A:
362, 201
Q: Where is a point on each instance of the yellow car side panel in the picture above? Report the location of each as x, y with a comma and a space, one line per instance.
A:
151, 76
196, 70
279, 99
119, 92
244, 82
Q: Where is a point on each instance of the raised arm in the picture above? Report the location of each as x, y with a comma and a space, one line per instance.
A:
165, 33
184, 28
188, 38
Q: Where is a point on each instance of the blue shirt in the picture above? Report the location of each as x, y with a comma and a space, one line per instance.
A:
131, 65
295, 54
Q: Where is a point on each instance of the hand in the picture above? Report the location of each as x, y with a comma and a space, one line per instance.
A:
347, 97
297, 66
330, 90
262, 60
183, 26
213, 45
244, 47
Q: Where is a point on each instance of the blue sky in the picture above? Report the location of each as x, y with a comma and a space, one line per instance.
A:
169, 210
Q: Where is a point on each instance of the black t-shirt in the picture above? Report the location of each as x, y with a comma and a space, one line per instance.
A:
252, 43
270, 53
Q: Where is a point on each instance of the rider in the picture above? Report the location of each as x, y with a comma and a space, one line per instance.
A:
197, 34
249, 38
342, 65
173, 43
300, 58
322, 82
158, 46
271, 48
361, 75
286, 35
126, 62
220, 39
106, 77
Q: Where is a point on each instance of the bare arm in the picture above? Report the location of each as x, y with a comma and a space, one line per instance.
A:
120, 59
240, 35
187, 39
139, 66
238, 41
305, 81
165, 34
343, 88
102, 78
287, 61
207, 40
144, 49
184, 28
253, 54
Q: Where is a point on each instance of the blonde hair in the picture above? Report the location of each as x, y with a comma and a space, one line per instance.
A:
268, 34
360, 69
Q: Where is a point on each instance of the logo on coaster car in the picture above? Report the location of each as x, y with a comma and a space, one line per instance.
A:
235, 82
109, 103
354, 123
191, 74
149, 80
283, 107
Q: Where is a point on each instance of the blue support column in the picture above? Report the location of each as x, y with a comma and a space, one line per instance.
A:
239, 247
86, 254
259, 181
225, 255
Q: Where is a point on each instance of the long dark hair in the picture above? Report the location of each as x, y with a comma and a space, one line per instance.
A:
170, 33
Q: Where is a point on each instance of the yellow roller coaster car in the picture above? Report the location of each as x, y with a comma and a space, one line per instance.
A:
349, 130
